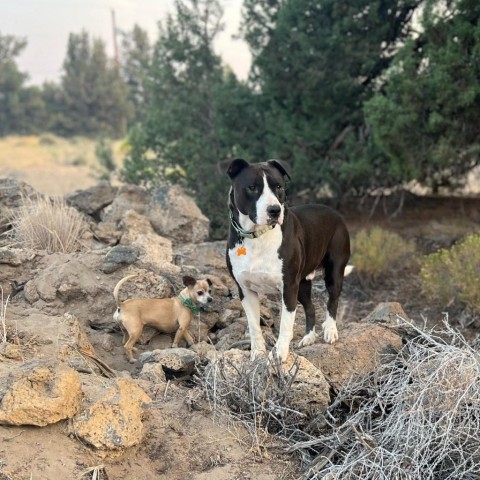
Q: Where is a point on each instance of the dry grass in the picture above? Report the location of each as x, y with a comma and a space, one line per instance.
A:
416, 418
51, 164
49, 225
3, 315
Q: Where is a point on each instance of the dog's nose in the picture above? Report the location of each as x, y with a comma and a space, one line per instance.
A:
210, 299
274, 211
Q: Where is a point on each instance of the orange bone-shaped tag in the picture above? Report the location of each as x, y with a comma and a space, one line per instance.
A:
241, 251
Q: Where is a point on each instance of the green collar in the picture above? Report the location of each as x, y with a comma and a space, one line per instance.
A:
189, 304
249, 234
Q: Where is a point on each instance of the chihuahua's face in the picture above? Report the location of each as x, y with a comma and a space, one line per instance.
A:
200, 291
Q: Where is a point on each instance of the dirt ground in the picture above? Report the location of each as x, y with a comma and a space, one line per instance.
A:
184, 441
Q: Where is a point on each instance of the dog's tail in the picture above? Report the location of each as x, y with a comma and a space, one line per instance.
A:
116, 290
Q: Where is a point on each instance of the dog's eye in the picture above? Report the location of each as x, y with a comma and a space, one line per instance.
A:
279, 188
199, 293
252, 188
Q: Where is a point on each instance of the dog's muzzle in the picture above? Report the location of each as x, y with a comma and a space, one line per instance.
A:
274, 212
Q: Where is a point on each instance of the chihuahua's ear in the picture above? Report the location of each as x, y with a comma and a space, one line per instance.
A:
232, 167
189, 281
209, 282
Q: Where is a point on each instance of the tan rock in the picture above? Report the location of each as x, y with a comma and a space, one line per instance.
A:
39, 393
155, 251
111, 417
175, 214
360, 349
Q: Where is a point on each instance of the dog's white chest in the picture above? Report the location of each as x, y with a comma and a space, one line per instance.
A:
256, 264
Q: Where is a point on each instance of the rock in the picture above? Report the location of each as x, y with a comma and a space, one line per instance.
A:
205, 350
174, 214
310, 391
227, 317
118, 257
153, 372
92, 200
129, 197
155, 252
111, 416
389, 313
13, 194
11, 351
235, 332
39, 393
107, 232
206, 255
360, 349
175, 361
16, 256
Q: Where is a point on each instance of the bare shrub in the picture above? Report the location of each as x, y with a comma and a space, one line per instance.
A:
49, 225
377, 252
257, 395
454, 274
417, 417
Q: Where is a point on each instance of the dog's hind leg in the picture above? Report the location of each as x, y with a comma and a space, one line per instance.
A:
133, 336
305, 298
333, 283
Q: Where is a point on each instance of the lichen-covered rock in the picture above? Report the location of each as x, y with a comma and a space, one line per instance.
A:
39, 393
111, 417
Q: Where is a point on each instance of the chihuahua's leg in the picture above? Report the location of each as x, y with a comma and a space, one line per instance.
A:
178, 336
189, 337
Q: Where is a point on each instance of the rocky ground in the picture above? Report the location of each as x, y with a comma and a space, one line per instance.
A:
71, 406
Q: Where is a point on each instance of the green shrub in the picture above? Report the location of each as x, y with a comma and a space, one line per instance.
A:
104, 154
454, 275
377, 252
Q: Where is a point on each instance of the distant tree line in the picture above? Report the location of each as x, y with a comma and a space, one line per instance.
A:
357, 95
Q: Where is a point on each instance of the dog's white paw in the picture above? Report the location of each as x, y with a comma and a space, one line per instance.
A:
257, 354
330, 333
280, 352
309, 339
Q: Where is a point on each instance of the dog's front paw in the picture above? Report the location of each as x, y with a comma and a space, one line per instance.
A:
257, 354
309, 339
330, 333
278, 353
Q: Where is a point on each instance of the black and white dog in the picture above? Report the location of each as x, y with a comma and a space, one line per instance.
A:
272, 248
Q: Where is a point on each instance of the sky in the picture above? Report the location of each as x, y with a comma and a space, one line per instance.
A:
47, 23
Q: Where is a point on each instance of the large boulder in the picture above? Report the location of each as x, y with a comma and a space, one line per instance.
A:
39, 393
174, 214
111, 416
360, 349
129, 197
155, 252
205, 255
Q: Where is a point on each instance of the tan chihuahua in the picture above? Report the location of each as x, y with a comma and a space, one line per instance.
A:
168, 315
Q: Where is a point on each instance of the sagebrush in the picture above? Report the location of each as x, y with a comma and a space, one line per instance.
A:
453, 275
50, 225
376, 252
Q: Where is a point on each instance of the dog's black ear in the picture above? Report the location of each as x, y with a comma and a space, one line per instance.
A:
282, 166
209, 282
233, 167
189, 281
